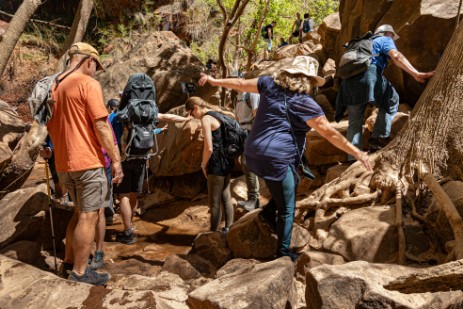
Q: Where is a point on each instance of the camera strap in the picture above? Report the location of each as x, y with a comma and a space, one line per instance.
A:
299, 153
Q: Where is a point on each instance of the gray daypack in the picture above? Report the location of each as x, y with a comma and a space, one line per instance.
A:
357, 56
40, 100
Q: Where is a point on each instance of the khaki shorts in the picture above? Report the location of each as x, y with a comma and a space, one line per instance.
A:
89, 189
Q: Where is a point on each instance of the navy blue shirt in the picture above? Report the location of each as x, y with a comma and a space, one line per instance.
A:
381, 46
270, 146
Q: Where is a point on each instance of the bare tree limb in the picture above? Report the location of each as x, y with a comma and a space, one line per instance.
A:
48, 23
399, 223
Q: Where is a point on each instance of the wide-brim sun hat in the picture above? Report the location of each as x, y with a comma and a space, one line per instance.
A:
82, 48
307, 66
387, 28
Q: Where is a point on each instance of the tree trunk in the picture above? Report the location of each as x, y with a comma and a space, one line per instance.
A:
14, 176
78, 28
229, 20
15, 29
252, 48
432, 138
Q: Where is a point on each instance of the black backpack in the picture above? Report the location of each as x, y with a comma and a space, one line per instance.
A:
139, 113
234, 136
357, 56
264, 32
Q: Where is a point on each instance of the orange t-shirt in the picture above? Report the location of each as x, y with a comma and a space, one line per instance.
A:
78, 103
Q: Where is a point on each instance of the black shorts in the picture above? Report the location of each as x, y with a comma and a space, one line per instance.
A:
134, 174
296, 33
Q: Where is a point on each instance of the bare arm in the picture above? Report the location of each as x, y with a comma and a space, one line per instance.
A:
172, 118
106, 139
208, 147
402, 62
243, 85
323, 127
254, 112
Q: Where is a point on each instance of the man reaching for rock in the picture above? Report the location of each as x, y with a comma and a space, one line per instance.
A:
79, 129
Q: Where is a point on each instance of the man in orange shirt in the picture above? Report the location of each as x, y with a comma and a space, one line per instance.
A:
78, 129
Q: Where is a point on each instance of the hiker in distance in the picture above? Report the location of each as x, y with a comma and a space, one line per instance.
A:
78, 129
215, 164
276, 142
372, 87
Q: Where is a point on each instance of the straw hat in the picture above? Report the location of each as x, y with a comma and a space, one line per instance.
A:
86, 49
307, 66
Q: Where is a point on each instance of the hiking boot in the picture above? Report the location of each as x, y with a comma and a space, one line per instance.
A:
125, 237
91, 277
377, 143
65, 269
251, 204
97, 261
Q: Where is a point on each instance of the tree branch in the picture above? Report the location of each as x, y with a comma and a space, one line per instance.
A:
48, 23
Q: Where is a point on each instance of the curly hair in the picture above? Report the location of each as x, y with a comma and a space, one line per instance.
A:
191, 102
294, 82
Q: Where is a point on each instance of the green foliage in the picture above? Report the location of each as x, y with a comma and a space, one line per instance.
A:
43, 36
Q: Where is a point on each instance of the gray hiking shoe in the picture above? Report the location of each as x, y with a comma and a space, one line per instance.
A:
91, 277
126, 237
98, 260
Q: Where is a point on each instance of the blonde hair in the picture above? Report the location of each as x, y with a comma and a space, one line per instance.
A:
294, 82
191, 102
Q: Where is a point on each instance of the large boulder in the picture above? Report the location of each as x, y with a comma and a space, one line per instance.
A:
329, 31
367, 233
162, 56
22, 214
266, 285
24, 286
424, 26
212, 246
319, 151
360, 285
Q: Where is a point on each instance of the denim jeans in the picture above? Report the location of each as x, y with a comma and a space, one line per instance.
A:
382, 126
284, 200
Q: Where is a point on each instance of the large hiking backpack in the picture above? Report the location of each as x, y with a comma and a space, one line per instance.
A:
139, 113
234, 136
306, 26
264, 32
40, 96
357, 56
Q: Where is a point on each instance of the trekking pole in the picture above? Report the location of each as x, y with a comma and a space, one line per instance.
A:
51, 213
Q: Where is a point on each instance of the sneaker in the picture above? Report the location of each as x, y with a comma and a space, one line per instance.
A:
97, 261
125, 237
65, 269
251, 204
91, 277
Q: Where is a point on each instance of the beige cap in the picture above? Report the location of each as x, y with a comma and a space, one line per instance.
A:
307, 66
82, 48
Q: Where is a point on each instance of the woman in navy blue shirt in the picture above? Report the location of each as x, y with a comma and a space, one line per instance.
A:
273, 149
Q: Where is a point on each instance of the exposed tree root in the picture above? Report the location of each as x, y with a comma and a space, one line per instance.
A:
399, 224
449, 209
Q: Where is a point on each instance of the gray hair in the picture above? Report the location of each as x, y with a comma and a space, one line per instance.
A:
297, 82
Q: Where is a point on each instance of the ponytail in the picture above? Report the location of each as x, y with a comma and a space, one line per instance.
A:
191, 102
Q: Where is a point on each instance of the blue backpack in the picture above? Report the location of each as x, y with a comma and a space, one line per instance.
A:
306, 25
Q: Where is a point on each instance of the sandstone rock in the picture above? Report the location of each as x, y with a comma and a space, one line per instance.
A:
325, 104
25, 286
397, 123
335, 171
5, 155
319, 151
169, 287
360, 285
250, 238
266, 285
176, 265
236, 267
23, 250
211, 246
22, 214
329, 31
310, 259
329, 68
162, 56
366, 233
291, 51
299, 238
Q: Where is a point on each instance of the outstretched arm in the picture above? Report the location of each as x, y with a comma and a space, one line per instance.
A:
243, 85
172, 118
402, 62
323, 127
208, 147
